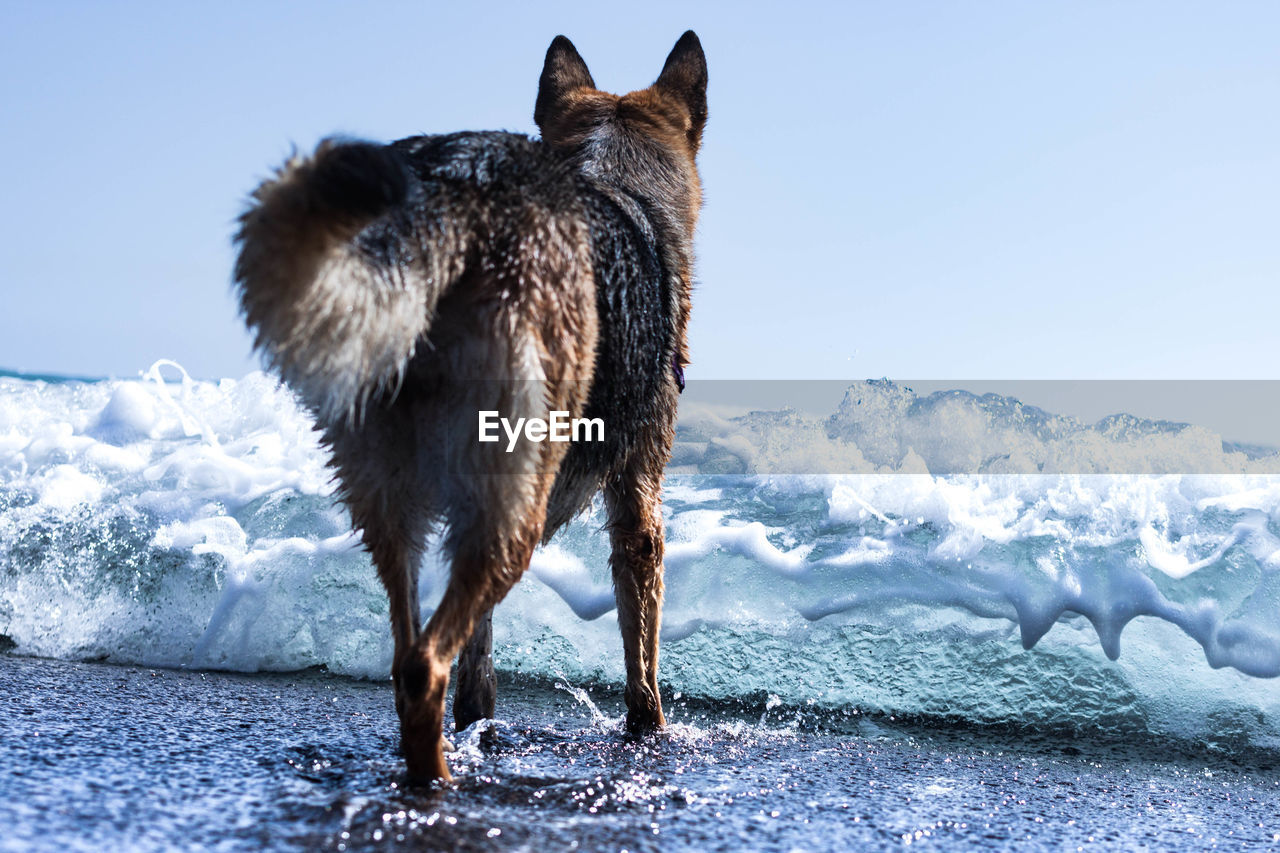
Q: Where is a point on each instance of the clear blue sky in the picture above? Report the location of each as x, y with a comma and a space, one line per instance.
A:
917, 190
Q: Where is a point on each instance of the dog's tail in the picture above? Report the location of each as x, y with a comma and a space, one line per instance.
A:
338, 316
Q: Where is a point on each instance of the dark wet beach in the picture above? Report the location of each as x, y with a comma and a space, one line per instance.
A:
97, 756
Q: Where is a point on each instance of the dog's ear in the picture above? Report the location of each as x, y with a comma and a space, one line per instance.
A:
685, 78
562, 72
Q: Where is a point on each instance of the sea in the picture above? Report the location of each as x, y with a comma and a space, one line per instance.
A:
893, 618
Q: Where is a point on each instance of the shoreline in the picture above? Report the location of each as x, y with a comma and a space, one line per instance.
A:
141, 758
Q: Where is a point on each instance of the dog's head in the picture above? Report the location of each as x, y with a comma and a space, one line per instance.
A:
644, 141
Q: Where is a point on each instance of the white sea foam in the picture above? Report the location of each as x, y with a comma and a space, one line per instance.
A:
171, 521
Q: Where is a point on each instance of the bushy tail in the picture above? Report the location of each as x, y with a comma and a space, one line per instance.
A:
338, 318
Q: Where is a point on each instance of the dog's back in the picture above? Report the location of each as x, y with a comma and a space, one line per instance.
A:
476, 244
403, 290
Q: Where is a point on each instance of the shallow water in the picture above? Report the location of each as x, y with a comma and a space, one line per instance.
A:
98, 756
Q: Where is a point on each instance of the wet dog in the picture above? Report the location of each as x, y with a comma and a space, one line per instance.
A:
408, 291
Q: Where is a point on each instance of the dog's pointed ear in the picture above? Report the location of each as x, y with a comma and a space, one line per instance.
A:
685, 77
562, 72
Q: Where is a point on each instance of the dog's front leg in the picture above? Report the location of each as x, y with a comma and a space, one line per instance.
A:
477, 691
635, 526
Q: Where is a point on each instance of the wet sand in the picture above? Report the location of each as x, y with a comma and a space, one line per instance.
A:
94, 756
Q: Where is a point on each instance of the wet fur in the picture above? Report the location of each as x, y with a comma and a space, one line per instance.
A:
401, 289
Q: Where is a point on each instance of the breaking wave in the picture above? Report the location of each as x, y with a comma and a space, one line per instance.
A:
951, 556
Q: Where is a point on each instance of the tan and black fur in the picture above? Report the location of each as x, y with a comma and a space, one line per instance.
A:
401, 289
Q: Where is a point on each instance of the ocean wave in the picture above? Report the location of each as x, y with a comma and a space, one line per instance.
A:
953, 556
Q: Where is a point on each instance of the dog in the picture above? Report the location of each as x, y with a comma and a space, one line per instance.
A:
406, 292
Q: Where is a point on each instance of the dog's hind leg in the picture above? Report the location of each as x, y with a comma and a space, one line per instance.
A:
635, 526
396, 547
485, 566
477, 690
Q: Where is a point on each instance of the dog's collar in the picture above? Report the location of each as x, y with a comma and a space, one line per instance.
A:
678, 371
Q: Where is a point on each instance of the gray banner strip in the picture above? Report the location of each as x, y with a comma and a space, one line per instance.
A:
943, 427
